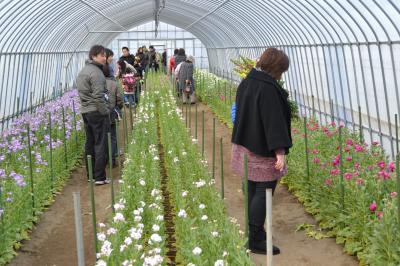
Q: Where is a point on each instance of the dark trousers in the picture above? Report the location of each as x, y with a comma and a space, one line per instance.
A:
96, 128
257, 205
114, 141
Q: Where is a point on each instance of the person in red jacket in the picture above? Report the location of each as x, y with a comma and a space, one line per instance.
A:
172, 62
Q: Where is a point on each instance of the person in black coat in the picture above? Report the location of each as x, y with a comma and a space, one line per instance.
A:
262, 131
126, 56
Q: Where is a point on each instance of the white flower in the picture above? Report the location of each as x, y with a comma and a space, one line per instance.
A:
204, 217
194, 140
127, 263
219, 263
160, 218
106, 248
136, 212
215, 234
224, 254
111, 231
142, 203
156, 158
155, 192
241, 232
138, 218
184, 193
128, 241
156, 238
202, 206
197, 251
142, 182
200, 184
101, 237
156, 228
191, 264
169, 152
119, 217
182, 213
101, 225
153, 261
101, 263
135, 233
176, 160
121, 181
118, 206
184, 153
139, 247
140, 226
122, 248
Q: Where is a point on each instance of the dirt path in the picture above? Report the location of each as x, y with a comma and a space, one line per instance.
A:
296, 248
53, 240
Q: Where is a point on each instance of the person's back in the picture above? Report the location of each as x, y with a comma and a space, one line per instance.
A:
91, 84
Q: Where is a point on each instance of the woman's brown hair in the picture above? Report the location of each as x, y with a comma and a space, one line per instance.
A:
274, 62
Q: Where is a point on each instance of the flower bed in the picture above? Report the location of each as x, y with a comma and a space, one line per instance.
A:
368, 226
19, 207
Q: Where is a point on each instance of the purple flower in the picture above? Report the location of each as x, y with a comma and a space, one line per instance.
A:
2, 173
19, 180
1, 212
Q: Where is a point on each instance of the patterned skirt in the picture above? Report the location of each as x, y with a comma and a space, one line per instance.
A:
260, 169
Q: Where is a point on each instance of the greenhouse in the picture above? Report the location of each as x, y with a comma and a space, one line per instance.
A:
188, 132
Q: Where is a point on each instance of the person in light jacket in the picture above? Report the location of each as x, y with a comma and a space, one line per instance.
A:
262, 131
92, 89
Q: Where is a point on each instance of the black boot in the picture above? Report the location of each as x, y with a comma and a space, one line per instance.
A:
257, 242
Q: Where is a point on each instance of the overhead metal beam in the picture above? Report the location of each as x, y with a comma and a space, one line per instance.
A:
207, 14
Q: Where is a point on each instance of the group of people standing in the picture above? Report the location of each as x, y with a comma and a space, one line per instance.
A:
101, 85
182, 67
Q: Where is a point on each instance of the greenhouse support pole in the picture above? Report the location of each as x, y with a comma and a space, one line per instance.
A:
31, 169
131, 118
92, 202
202, 133
361, 125
78, 229
118, 146
396, 122
213, 155
246, 200
110, 164
306, 149
196, 125
190, 117
313, 105
65, 139
398, 189
341, 167
51, 154
269, 226
222, 170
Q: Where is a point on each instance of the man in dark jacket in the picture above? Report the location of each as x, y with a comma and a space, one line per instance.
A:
92, 90
126, 56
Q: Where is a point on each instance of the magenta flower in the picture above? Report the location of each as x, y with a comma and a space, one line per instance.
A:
392, 167
349, 142
373, 206
222, 97
358, 148
334, 172
360, 182
349, 159
316, 160
385, 175
328, 182
357, 166
336, 161
348, 176
370, 167
381, 164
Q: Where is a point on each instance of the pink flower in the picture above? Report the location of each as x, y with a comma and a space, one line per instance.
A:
222, 97
333, 124
348, 176
349, 142
379, 215
316, 160
347, 149
295, 131
375, 143
349, 159
314, 151
336, 161
357, 166
381, 164
393, 194
373, 206
385, 175
392, 167
358, 148
328, 182
360, 181
334, 172
370, 167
